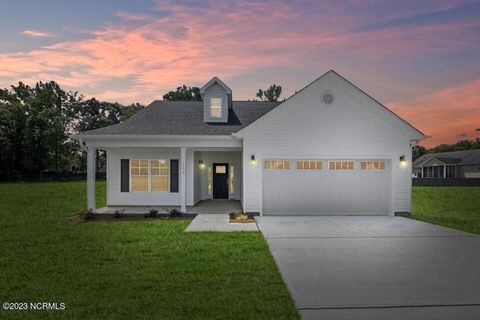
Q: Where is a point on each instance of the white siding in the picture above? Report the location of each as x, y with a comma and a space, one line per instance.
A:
215, 91
303, 127
115, 197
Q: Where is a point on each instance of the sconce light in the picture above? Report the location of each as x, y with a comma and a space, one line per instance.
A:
201, 164
253, 161
403, 161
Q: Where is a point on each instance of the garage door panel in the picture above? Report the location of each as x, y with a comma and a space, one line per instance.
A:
326, 191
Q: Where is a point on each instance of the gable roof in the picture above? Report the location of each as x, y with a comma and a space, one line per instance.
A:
215, 80
454, 157
417, 133
185, 118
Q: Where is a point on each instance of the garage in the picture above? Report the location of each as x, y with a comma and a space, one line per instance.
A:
326, 186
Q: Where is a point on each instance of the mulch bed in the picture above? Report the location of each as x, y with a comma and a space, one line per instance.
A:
250, 219
128, 217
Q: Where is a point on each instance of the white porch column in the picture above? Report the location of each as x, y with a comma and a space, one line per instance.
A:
91, 178
183, 180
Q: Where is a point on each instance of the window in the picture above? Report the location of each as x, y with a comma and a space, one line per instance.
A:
149, 175
372, 165
341, 165
232, 189
220, 169
216, 107
209, 173
277, 164
309, 164
159, 175
139, 175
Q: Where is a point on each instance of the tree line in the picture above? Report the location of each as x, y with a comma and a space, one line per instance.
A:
36, 123
461, 145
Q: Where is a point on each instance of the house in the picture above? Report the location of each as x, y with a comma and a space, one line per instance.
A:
328, 149
456, 164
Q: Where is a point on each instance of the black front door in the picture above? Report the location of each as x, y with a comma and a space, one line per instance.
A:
220, 181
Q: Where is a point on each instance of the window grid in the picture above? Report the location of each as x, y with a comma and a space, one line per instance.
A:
277, 164
341, 165
216, 107
149, 175
372, 165
309, 164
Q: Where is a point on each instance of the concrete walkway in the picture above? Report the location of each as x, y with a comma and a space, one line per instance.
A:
218, 222
376, 267
213, 215
216, 206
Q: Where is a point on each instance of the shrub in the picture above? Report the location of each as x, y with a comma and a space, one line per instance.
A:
152, 213
87, 214
174, 212
240, 216
119, 213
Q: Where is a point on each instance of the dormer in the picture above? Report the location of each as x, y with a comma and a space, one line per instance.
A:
217, 101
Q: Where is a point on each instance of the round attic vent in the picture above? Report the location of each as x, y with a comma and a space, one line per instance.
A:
327, 98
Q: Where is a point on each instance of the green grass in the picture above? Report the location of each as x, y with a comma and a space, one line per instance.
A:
128, 270
454, 207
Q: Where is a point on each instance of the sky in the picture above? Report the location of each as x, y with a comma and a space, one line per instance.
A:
421, 59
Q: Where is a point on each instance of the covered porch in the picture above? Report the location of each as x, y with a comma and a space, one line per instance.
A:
195, 178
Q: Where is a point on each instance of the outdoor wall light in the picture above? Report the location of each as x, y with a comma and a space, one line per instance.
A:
253, 161
403, 161
201, 164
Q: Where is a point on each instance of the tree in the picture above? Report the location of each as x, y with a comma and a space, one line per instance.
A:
418, 151
128, 111
48, 114
271, 94
184, 93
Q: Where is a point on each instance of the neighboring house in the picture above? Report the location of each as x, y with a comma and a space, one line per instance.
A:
456, 164
328, 149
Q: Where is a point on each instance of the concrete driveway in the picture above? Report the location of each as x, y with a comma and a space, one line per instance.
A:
367, 267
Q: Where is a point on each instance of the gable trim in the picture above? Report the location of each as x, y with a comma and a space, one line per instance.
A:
212, 82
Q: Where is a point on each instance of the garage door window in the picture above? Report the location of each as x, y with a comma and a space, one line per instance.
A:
277, 164
341, 165
309, 164
372, 165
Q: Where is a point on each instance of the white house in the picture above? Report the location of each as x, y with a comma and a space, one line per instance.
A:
328, 149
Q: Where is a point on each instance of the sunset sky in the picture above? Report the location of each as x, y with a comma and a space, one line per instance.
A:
420, 58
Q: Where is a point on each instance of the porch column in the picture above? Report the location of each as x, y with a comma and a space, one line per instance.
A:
423, 172
444, 171
91, 178
183, 180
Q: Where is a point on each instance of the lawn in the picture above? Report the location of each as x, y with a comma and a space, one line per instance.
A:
128, 270
454, 207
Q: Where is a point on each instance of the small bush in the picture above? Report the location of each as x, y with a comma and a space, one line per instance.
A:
152, 213
240, 216
174, 212
87, 214
119, 213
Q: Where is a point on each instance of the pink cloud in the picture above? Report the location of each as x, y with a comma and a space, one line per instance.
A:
37, 34
188, 45
448, 115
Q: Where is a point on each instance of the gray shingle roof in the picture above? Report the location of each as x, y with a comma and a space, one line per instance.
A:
454, 157
185, 118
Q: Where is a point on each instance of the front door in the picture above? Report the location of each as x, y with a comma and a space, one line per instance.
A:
220, 181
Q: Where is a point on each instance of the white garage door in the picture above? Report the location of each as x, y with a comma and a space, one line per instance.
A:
326, 186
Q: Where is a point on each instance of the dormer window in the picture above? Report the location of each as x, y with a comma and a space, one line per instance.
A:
217, 101
216, 107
